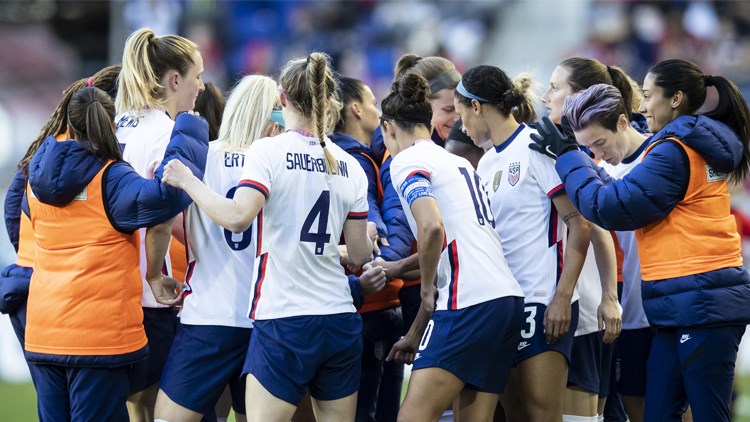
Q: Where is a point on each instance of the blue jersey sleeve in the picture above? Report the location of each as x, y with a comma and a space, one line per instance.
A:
647, 194
134, 202
12, 206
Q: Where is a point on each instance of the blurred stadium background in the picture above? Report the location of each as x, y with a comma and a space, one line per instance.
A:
47, 44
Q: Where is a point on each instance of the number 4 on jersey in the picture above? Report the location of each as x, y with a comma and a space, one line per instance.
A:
319, 211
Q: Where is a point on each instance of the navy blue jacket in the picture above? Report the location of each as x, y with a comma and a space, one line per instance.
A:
358, 150
60, 170
400, 238
649, 193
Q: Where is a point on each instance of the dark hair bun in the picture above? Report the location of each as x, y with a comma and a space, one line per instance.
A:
412, 88
512, 98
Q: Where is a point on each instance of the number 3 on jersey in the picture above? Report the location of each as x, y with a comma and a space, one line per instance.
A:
319, 211
244, 238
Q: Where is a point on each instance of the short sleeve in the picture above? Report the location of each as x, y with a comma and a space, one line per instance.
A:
411, 177
543, 170
258, 171
360, 206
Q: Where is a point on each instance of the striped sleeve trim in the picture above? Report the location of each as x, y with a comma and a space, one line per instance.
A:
255, 185
357, 215
556, 191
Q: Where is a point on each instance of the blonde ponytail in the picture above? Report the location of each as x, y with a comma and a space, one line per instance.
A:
525, 111
317, 70
137, 87
145, 60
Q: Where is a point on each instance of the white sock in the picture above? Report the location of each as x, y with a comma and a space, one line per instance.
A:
576, 418
600, 418
160, 420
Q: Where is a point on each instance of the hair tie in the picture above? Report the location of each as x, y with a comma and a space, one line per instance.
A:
90, 81
709, 80
323, 144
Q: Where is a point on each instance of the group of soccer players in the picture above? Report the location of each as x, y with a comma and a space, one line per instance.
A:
328, 243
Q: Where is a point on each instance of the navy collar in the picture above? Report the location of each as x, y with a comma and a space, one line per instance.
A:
637, 152
506, 143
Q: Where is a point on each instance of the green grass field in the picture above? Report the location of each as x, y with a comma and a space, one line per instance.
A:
18, 402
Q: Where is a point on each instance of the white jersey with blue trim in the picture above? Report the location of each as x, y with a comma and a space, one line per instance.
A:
472, 267
220, 263
633, 315
297, 270
145, 138
521, 184
589, 288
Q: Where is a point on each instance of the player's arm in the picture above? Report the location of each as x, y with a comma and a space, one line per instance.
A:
609, 314
358, 243
166, 290
234, 214
430, 235
558, 314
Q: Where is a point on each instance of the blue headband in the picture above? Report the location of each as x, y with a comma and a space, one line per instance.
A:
277, 117
461, 90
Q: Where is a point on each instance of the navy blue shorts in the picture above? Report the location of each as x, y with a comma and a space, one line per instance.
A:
608, 358
633, 349
319, 352
476, 344
81, 394
534, 337
161, 326
586, 362
204, 359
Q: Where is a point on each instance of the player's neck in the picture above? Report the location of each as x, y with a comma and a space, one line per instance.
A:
502, 130
635, 140
297, 121
356, 132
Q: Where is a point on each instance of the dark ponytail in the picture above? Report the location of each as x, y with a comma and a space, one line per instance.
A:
490, 85
91, 115
681, 75
105, 79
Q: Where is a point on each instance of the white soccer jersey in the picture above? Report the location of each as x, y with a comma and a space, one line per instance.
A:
145, 139
521, 183
589, 288
633, 315
297, 270
472, 267
220, 265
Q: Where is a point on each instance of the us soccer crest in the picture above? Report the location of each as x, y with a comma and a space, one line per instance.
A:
496, 181
514, 173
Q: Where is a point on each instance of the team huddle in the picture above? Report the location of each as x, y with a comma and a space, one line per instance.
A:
287, 250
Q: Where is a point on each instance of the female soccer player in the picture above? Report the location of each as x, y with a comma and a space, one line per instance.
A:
529, 207
15, 278
695, 292
305, 192
467, 344
599, 118
84, 329
160, 77
589, 373
211, 342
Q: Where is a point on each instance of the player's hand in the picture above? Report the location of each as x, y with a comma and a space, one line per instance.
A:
557, 318
610, 319
390, 268
429, 293
176, 174
372, 233
372, 280
167, 290
550, 141
404, 350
